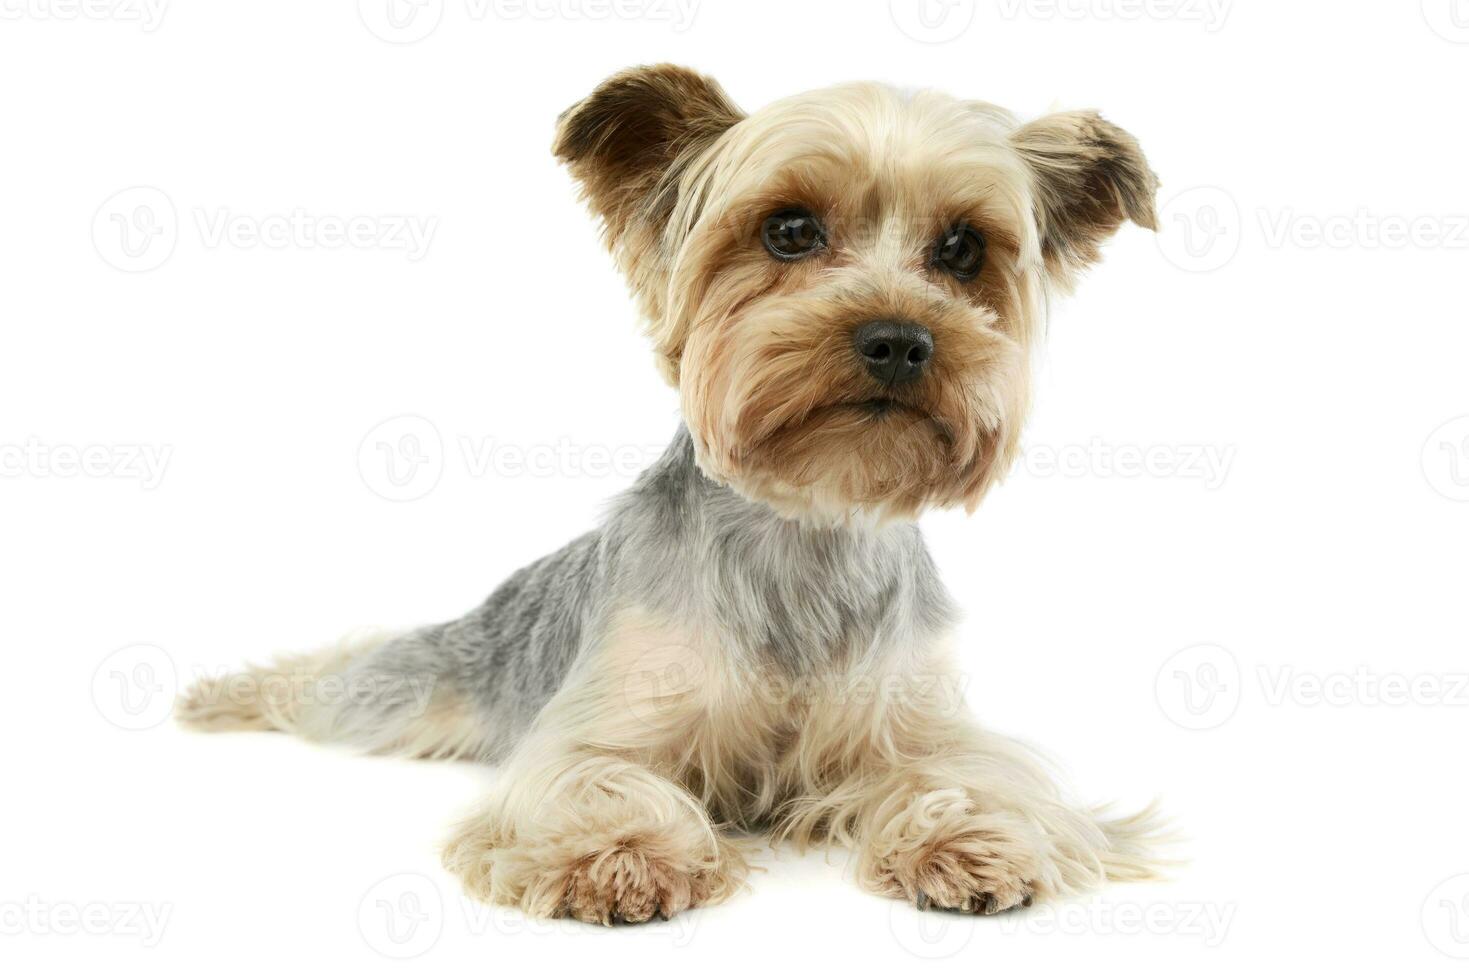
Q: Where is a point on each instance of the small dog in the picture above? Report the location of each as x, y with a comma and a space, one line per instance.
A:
846, 288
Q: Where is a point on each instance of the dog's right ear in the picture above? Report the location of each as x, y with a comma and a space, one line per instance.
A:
627, 142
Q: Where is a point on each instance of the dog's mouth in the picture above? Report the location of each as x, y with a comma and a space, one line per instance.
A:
857, 422
877, 409
878, 406
880, 415
869, 448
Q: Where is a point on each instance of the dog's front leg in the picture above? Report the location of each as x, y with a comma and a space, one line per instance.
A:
589, 818
960, 827
944, 813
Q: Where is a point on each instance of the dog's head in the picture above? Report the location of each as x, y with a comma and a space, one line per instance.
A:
846, 285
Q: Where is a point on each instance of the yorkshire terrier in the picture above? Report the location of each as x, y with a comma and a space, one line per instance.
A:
846, 289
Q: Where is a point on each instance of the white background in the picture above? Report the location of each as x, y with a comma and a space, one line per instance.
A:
1234, 637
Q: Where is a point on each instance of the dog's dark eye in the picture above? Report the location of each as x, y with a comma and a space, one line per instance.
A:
792, 233
960, 250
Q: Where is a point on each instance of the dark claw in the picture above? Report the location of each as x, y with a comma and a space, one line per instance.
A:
922, 902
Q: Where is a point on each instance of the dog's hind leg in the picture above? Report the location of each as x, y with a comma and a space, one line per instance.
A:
374, 692
465, 689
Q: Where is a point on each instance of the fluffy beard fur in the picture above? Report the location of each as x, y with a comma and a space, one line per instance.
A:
781, 410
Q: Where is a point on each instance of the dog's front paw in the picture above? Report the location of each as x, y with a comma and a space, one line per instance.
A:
627, 879
939, 850
628, 883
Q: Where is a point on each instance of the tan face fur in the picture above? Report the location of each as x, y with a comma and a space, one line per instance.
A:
780, 405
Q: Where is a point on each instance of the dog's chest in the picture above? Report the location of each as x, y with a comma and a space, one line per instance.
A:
736, 727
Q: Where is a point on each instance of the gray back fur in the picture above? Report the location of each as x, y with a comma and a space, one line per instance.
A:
688, 550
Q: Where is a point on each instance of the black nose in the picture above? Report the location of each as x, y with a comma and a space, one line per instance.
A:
895, 353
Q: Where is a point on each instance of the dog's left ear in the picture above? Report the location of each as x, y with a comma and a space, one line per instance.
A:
1090, 176
627, 141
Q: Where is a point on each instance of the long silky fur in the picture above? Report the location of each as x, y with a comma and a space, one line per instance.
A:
755, 639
